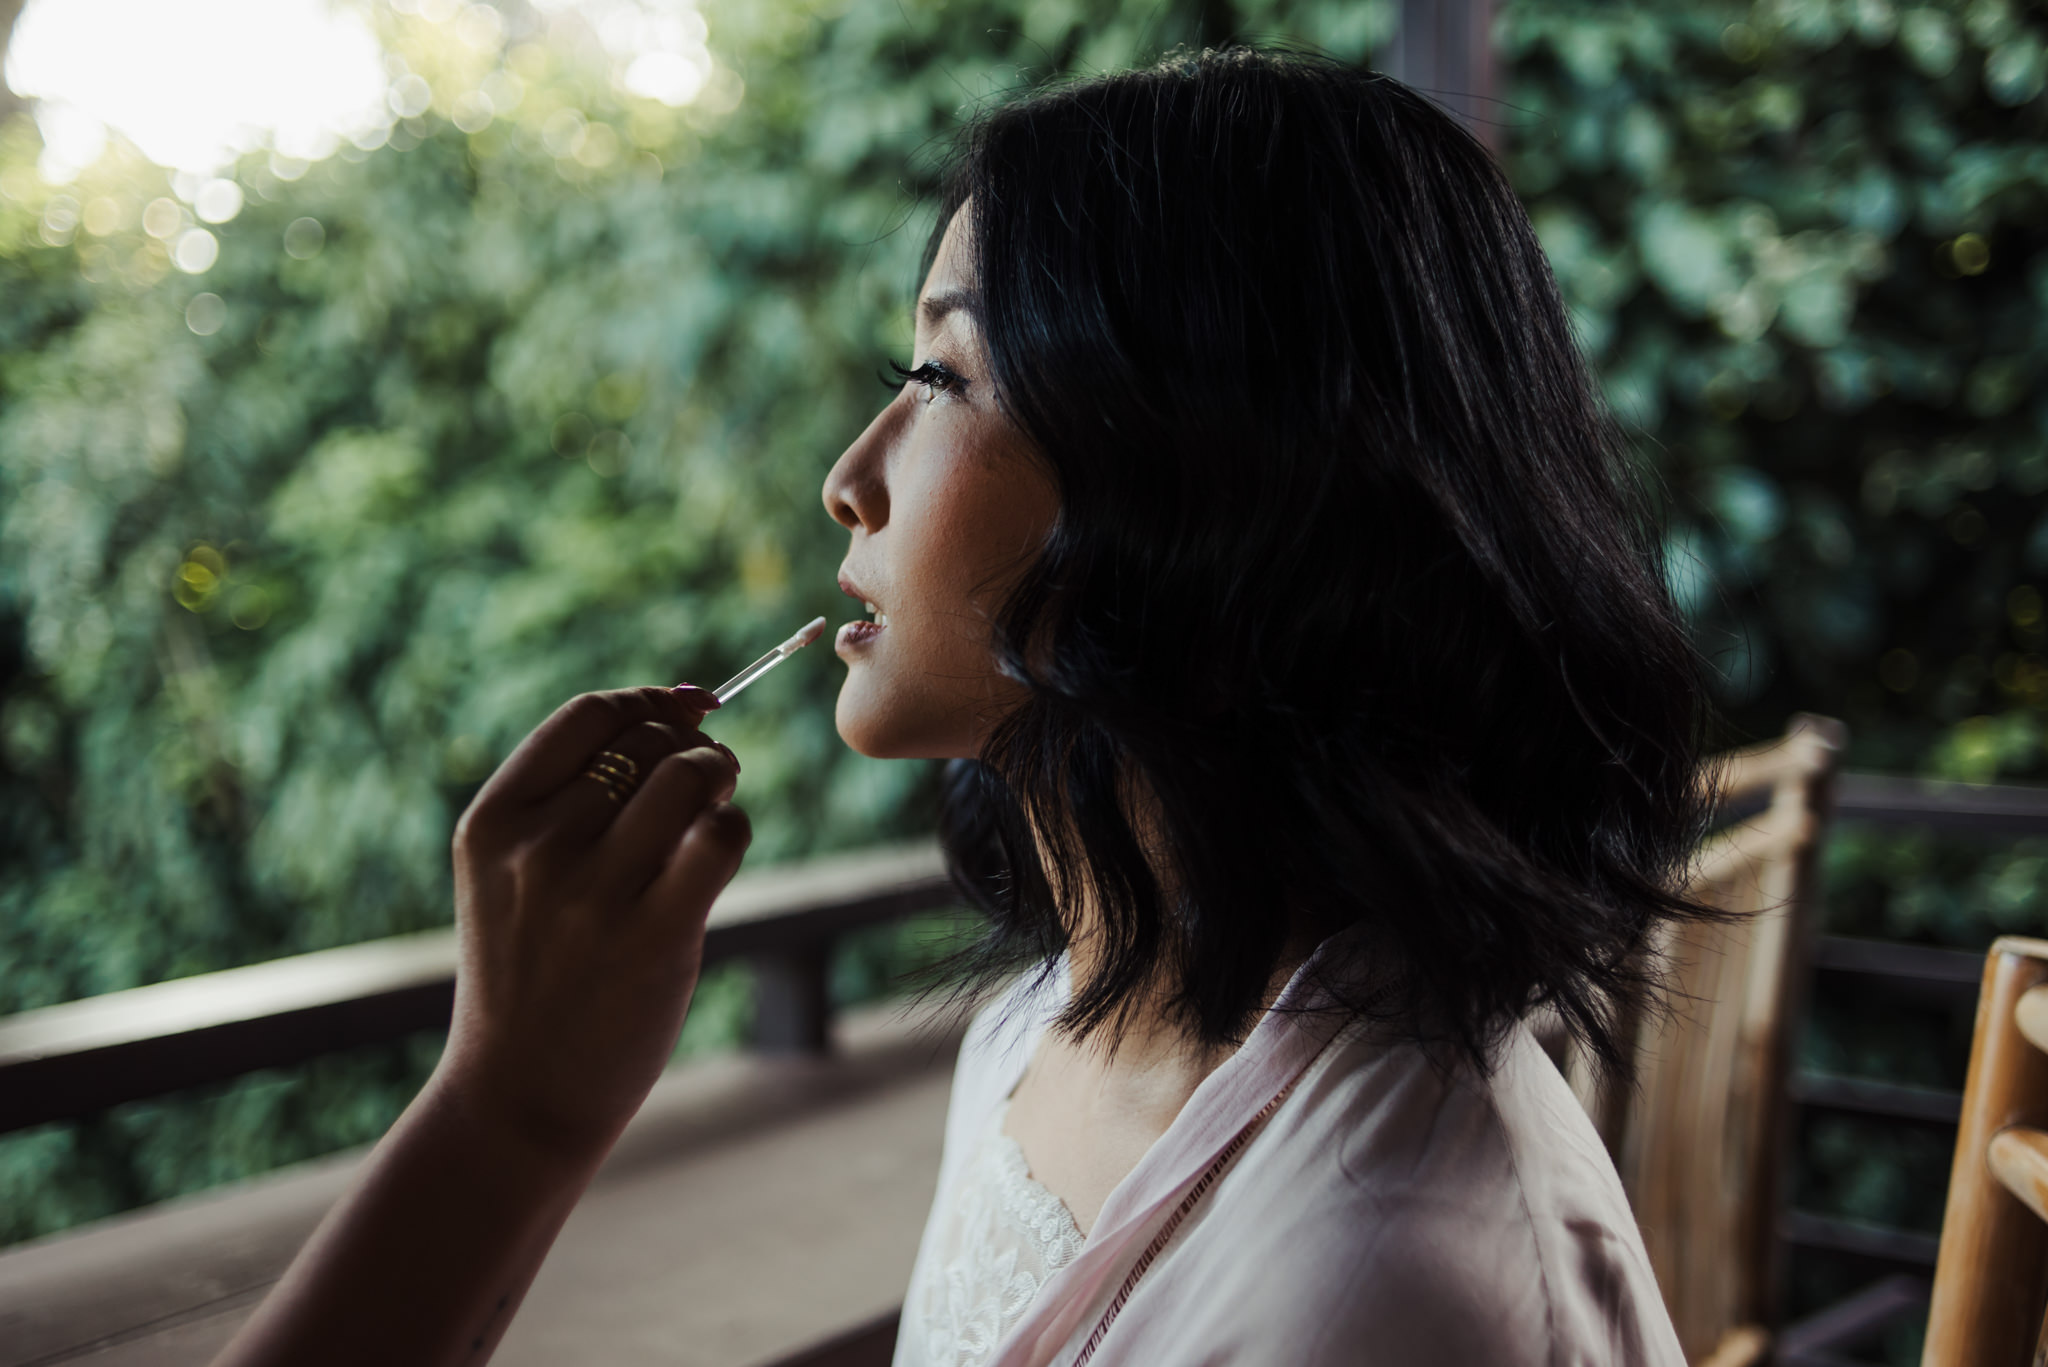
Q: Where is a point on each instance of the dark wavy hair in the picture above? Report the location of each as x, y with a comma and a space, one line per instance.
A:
1353, 616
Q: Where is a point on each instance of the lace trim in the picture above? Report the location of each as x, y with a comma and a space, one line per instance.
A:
1029, 1203
1006, 1235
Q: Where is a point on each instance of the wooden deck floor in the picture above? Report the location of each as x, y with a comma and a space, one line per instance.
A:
755, 1205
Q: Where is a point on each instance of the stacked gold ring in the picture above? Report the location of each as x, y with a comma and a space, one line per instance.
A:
617, 774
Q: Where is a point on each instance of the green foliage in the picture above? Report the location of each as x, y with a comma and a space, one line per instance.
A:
58, 1175
875, 964
1803, 241
1910, 885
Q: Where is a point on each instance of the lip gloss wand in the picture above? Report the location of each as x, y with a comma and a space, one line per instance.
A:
741, 681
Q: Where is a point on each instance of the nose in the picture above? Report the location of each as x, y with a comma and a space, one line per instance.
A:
856, 487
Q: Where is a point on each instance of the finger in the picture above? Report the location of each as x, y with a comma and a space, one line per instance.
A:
575, 815
681, 788
648, 744
702, 699
699, 866
560, 747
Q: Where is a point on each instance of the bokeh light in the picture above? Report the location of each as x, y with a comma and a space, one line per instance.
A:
205, 314
304, 238
196, 251
217, 201
195, 83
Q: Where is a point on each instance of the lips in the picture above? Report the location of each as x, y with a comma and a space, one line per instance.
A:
853, 590
855, 637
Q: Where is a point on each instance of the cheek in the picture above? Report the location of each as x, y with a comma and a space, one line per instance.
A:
975, 534
931, 687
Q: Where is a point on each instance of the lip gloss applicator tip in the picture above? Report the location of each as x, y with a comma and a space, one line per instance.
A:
739, 682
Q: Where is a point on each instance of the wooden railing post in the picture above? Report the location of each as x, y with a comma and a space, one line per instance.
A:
792, 1006
1991, 1279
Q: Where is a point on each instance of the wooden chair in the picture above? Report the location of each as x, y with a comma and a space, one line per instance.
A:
1699, 1138
1991, 1279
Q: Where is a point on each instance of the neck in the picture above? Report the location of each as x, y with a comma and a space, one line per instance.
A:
1149, 1047
1087, 1110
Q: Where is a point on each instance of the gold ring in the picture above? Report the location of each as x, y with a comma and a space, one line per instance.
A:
613, 789
617, 774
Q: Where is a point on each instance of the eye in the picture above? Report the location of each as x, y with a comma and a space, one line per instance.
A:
936, 377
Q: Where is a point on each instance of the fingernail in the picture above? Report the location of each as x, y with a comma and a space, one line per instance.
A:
699, 697
728, 754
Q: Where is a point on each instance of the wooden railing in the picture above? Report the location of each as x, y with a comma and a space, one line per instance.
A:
1906, 973
78, 1058
62, 1062
65, 1061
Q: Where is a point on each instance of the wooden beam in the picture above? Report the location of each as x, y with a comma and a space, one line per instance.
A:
1853, 1323
1865, 1096
84, 1056
1444, 48
1978, 808
1921, 970
1882, 1243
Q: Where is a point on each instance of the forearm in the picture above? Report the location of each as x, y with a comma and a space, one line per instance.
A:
427, 1257
580, 910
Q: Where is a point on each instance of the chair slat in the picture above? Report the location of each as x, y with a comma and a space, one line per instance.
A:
1991, 1279
1743, 1346
1696, 1140
2032, 1016
2018, 1158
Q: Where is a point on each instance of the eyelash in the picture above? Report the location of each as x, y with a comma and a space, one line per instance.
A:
936, 378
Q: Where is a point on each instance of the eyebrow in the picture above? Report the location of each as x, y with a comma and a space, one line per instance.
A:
936, 306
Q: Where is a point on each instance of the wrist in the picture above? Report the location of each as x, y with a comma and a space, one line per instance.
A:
511, 1135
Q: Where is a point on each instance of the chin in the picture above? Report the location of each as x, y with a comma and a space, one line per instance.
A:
885, 722
862, 726
872, 722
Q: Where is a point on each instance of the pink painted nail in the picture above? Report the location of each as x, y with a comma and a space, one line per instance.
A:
728, 754
700, 697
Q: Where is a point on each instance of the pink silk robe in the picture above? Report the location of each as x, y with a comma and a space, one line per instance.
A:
1390, 1213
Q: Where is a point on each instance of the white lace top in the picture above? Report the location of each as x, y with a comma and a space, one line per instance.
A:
1000, 1236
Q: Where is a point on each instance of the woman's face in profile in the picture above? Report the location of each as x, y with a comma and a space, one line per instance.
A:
947, 506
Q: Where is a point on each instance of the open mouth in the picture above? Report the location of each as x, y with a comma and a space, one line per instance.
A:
853, 636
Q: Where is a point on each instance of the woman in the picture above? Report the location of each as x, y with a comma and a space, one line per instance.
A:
1248, 534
